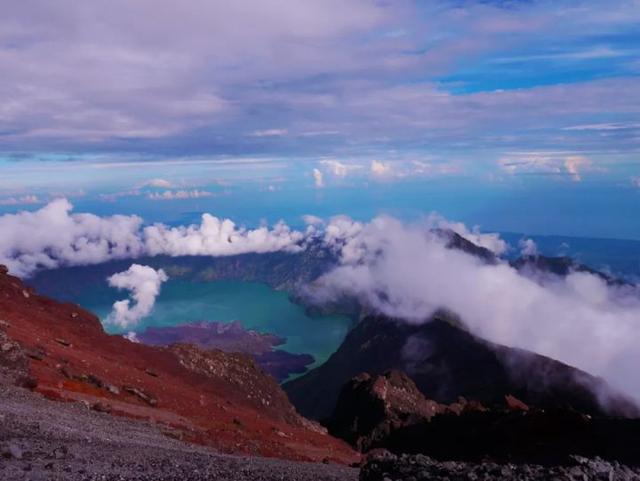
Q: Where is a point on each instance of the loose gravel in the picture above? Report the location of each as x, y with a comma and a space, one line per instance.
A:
388, 467
46, 440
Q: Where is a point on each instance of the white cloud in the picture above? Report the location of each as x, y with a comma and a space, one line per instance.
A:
547, 163
491, 241
144, 284
635, 181
575, 164
218, 237
179, 194
339, 169
162, 183
318, 178
269, 133
23, 200
528, 247
312, 220
380, 168
53, 236
404, 272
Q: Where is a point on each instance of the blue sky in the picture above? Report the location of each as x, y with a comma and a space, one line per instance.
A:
516, 115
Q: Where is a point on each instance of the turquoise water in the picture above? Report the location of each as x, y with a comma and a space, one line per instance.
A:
255, 305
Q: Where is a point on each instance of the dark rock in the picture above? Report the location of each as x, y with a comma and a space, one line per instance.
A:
66, 372
95, 380
60, 452
27, 382
112, 389
15, 451
541, 267
101, 407
370, 408
37, 354
151, 401
514, 404
547, 437
423, 468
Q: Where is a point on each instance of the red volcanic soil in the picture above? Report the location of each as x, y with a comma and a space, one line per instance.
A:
208, 397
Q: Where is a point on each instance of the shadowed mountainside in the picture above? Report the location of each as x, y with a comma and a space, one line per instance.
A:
445, 362
389, 412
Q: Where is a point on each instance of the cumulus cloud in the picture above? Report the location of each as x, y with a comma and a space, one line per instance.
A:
406, 272
53, 236
380, 168
179, 194
143, 283
218, 237
575, 164
339, 169
318, 178
528, 247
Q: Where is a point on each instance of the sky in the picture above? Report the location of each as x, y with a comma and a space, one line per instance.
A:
519, 116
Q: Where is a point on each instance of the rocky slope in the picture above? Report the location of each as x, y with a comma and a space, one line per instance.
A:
446, 362
382, 466
42, 440
213, 398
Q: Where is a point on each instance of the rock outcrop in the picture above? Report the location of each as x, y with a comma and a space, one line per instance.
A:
369, 408
389, 412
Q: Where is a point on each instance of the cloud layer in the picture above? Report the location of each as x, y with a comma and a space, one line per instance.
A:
318, 77
143, 282
407, 272
54, 236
